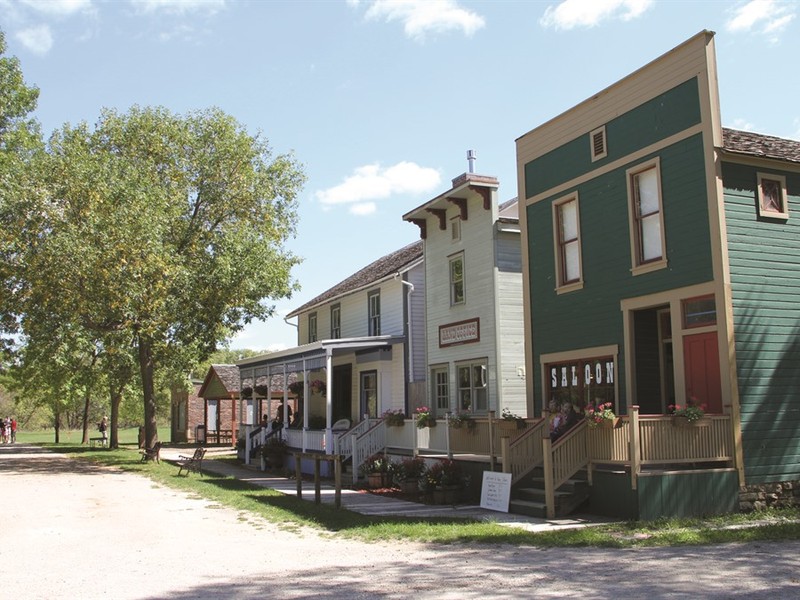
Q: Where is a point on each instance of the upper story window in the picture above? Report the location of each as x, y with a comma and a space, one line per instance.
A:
374, 313
472, 387
336, 322
597, 141
648, 247
312, 327
566, 223
457, 279
455, 229
772, 196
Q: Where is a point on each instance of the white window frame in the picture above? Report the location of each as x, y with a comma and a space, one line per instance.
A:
336, 321
454, 301
477, 386
312, 327
783, 213
562, 284
440, 389
374, 313
455, 229
638, 264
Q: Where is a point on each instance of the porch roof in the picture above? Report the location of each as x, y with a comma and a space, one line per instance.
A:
293, 358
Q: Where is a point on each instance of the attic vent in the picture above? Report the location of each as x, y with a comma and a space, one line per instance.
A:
598, 141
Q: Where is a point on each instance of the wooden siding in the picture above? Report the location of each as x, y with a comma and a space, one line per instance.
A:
764, 260
477, 245
662, 116
591, 316
417, 368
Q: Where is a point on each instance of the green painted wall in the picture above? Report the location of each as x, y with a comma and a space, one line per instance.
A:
664, 115
687, 494
764, 258
592, 316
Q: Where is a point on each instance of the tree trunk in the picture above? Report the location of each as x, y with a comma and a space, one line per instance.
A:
116, 399
55, 424
148, 391
86, 400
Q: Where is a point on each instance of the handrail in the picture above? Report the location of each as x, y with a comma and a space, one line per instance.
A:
524, 454
561, 461
368, 443
342, 444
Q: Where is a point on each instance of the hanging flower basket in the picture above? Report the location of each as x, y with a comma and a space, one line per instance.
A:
683, 422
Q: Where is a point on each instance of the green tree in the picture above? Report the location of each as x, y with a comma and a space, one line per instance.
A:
163, 230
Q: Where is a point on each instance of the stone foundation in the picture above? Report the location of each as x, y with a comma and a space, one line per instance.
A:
784, 494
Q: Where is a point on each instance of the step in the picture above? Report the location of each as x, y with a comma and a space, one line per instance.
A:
528, 508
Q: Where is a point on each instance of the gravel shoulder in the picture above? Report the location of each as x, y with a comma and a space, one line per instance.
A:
76, 530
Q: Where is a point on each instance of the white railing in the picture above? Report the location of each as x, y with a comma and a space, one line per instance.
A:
342, 443
525, 452
369, 443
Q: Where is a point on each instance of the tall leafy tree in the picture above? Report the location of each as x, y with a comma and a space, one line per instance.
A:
164, 233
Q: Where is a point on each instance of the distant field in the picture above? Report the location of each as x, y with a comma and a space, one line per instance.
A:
129, 435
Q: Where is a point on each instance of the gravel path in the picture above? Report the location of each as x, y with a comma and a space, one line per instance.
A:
75, 530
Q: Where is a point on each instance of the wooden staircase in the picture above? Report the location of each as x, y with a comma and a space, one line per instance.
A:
528, 495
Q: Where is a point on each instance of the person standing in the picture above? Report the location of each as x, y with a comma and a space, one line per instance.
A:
103, 427
13, 430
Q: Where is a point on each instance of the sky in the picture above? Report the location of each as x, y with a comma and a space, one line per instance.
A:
381, 99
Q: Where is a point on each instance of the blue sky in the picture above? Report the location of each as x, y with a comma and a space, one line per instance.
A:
380, 100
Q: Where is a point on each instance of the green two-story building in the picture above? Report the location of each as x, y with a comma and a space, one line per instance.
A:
661, 267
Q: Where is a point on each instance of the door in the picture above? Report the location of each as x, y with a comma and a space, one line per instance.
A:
342, 397
701, 370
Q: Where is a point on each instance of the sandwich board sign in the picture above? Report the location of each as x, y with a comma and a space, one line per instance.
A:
496, 491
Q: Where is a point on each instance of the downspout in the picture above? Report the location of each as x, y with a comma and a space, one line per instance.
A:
408, 327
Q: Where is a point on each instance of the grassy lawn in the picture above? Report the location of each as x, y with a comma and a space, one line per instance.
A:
291, 513
129, 435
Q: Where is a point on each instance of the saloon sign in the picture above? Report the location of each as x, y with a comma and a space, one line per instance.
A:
596, 371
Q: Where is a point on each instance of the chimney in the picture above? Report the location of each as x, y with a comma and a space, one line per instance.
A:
471, 156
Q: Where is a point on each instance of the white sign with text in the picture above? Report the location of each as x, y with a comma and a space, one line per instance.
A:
496, 491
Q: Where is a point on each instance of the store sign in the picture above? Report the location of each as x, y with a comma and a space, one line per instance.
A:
597, 372
463, 332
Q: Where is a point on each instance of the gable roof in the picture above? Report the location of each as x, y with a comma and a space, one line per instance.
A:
757, 144
226, 376
374, 272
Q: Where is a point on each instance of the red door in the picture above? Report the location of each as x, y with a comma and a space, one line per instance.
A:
701, 368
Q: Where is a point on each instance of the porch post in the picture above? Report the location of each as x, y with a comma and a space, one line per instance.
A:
549, 483
491, 440
329, 401
305, 405
635, 450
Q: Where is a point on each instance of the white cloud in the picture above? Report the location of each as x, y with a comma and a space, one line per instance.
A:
420, 17
743, 125
372, 182
178, 7
363, 208
59, 8
589, 13
38, 40
764, 16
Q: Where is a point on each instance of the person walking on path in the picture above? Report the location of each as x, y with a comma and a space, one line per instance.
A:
103, 427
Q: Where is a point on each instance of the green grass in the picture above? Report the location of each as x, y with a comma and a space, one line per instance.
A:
293, 514
128, 435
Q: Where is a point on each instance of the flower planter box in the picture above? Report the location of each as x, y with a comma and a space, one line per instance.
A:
511, 425
609, 423
410, 487
378, 480
682, 422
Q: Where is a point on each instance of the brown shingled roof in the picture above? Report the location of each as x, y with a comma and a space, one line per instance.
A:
372, 273
757, 144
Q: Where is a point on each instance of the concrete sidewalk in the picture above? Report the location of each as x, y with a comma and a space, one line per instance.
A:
371, 504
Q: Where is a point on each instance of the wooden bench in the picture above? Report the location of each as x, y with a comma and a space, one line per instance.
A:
191, 463
151, 453
98, 440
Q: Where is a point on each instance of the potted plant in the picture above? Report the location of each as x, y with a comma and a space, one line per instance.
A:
394, 418
446, 480
376, 470
509, 420
688, 415
424, 418
318, 386
274, 452
247, 392
601, 415
296, 388
262, 390
464, 419
408, 472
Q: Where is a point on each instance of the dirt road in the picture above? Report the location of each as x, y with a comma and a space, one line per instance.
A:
73, 530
